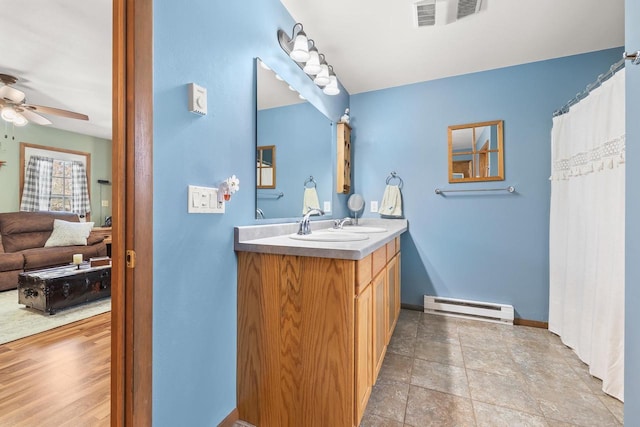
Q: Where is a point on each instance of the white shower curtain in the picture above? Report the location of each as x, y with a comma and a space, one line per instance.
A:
586, 231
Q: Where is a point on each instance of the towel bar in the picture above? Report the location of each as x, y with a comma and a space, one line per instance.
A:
510, 189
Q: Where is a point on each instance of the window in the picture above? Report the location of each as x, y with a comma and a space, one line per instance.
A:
54, 179
61, 186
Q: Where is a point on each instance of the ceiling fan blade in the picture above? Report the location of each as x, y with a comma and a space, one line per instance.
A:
10, 94
33, 117
55, 111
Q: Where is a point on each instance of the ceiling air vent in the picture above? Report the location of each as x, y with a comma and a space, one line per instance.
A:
425, 13
428, 13
468, 7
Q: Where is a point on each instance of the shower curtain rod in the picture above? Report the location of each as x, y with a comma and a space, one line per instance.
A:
601, 78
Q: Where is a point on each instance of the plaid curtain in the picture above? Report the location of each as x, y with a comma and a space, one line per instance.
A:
80, 203
37, 184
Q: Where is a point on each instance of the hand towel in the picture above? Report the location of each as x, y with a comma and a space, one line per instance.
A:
310, 200
391, 205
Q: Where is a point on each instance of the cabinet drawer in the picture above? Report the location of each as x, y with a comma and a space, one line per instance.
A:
391, 249
363, 273
379, 260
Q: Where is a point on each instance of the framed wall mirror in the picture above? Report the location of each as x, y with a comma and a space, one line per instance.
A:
301, 136
266, 166
476, 152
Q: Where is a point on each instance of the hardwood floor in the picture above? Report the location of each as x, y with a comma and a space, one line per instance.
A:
59, 377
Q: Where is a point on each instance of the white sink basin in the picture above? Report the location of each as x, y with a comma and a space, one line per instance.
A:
326, 236
358, 229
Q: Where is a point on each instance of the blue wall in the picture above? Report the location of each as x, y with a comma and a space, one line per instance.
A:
632, 238
211, 43
499, 256
303, 150
479, 246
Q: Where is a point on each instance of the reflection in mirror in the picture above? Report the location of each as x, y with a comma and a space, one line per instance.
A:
301, 135
266, 166
476, 152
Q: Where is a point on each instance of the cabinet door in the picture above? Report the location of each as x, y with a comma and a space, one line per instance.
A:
392, 295
364, 350
343, 178
379, 321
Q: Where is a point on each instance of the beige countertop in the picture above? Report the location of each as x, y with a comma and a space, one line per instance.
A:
274, 239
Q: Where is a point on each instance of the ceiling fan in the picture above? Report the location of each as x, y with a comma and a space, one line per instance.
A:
15, 110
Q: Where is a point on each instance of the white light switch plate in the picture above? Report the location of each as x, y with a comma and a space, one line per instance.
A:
327, 206
204, 200
374, 206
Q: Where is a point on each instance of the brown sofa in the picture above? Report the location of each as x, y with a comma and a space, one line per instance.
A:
22, 239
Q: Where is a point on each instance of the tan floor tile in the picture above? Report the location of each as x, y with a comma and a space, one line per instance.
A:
517, 376
401, 344
493, 361
509, 392
449, 354
614, 406
388, 400
545, 374
573, 406
396, 368
376, 421
409, 315
481, 338
426, 408
441, 377
495, 416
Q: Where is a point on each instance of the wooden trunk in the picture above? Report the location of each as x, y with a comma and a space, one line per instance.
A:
54, 289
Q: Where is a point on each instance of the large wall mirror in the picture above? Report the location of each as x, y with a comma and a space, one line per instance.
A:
476, 152
301, 136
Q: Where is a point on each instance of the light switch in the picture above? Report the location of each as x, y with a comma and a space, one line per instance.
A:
327, 206
374, 206
204, 200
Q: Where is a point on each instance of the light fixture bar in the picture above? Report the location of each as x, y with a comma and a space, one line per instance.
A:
304, 53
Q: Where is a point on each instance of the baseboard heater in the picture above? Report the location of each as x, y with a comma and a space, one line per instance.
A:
485, 311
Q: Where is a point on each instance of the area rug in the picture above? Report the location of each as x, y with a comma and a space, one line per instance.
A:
17, 321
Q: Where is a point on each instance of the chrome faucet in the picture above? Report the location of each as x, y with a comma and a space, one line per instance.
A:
339, 223
304, 224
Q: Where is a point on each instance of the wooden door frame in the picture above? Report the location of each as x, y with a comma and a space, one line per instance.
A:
132, 140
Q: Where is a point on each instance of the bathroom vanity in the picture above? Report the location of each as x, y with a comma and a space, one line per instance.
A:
314, 321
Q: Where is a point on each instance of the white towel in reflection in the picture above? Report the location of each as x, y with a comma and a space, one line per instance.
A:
310, 200
391, 205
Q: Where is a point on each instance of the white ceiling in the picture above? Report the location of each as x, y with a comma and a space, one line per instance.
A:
61, 52
61, 49
374, 44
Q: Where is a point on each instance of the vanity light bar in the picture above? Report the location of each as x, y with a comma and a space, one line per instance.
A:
304, 53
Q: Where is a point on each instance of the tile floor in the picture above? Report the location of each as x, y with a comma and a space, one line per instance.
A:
443, 371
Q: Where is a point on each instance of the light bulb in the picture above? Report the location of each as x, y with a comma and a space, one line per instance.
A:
300, 52
20, 120
312, 67
322, 79
332, 88
8, 113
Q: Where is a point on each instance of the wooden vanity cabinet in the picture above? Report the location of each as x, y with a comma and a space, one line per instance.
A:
308, 331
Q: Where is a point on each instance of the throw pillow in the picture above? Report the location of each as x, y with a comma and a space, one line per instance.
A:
67, 233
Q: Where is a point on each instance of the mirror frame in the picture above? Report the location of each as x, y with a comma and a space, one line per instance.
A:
259, 150
499, 150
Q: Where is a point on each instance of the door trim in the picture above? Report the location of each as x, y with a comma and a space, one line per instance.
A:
132, 141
